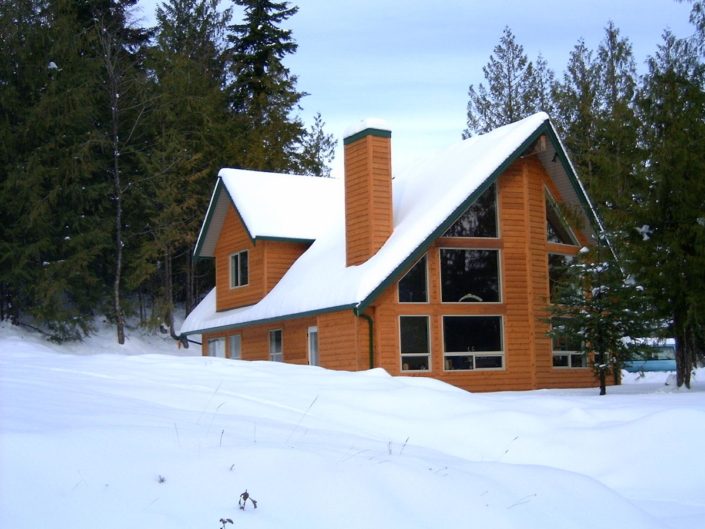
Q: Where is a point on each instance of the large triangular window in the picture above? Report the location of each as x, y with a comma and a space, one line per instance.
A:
557, 229
480, 219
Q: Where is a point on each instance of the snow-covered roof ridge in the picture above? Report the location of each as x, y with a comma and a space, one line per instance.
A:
425, 199
283, 206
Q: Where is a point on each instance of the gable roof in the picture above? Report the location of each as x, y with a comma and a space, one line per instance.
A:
427, 199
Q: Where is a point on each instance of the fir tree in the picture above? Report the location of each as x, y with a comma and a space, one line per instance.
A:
667, 235
510, 93
577, 107
595, 308
189, 122
262, 90
317, 150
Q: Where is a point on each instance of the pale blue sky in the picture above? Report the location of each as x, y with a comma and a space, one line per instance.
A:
411, 62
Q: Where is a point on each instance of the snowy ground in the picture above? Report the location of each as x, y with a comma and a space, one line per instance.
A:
161, 438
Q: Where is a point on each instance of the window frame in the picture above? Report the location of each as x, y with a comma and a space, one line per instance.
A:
429, 369
570, 354
493, 354
217, 339
230, 346
276, 356
500, 282
568, 257
553, 203
424, 257
236, 279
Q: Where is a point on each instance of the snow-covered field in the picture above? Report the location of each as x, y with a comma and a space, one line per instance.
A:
161, 438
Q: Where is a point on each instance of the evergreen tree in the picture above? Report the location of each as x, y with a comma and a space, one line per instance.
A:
262, 90
510, 94
577, 108
189, 123
667, 237
317, 150
594, 308
53, 248
617, 155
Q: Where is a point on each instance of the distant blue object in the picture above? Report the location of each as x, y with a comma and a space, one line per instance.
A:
664, 359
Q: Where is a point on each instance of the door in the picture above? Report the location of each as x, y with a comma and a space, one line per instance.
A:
313, 346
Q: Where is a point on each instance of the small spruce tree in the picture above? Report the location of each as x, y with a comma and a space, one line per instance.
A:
604, 314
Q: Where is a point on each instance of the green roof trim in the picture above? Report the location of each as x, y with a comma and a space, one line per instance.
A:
424, 246
219, 186
380, 133
283, 239
264, 321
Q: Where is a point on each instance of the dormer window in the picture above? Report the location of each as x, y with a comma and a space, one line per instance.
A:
557, 229
239, 269
480, 219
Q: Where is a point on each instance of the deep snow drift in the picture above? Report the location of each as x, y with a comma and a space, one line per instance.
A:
164, 441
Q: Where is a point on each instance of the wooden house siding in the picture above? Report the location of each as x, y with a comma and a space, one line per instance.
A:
368, 202
234, 238
268, 262
528, 358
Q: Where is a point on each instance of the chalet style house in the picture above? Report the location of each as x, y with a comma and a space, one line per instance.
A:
441, 271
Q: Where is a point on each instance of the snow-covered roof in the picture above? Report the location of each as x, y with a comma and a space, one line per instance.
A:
426, 200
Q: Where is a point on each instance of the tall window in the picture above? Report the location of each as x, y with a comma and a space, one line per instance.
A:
480, 219
415, 350
216, 347
413, 286
239, 268
472, 342
469, 276
276, 353
235, 347
557, 229
557, 265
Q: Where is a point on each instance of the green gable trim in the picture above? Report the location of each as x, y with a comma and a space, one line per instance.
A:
380, 133
425, 245
207, 221
283, 239
219, 186
265, 321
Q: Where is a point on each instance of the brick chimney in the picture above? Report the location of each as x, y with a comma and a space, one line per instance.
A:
368, 189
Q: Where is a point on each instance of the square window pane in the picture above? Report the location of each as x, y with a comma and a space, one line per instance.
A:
480, 219
412, 287
244, 268
469, 276
557, 266
560, 360
414, 363
578, 360
458, 363
472, 334
488, 362
216, 347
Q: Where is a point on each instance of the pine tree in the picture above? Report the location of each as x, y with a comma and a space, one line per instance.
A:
667, 236
510, 94
262, 90
595, 307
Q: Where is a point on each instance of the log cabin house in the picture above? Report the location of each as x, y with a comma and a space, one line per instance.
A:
441, 271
